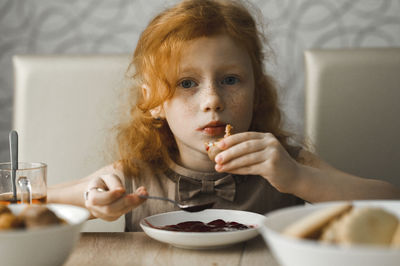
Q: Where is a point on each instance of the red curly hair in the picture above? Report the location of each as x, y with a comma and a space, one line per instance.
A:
155, 65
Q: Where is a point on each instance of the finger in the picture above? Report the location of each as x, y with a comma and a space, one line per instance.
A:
141, 191
247, 170
111, 211
96, 197
113, 182
98, 214
121, 206
242, 161
241, 149
112, 185
133, 200
234, 139
97, 183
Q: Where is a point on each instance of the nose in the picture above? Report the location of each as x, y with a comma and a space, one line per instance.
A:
212, 100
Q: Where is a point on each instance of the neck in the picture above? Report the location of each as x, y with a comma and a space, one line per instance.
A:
195, 160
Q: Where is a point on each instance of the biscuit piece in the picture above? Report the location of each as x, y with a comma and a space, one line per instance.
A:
212, 150
329, 232
9, 221
367, 225
211, 146
39, 216
312, 224
396, 237
4, 209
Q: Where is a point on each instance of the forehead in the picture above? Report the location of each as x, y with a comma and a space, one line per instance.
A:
218, 51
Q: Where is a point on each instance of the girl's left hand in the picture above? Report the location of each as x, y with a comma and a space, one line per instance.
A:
256, 153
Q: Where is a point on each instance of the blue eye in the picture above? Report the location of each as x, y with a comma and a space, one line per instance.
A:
187, 83
230, 80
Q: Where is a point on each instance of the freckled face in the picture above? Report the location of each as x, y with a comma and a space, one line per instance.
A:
215, 87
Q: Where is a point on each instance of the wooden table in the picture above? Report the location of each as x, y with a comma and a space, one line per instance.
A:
139, 249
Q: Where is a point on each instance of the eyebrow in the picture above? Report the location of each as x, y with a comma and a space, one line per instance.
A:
188, 70
227, 67
232, 67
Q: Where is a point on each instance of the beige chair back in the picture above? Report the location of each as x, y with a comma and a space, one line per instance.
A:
353, 108
65, 107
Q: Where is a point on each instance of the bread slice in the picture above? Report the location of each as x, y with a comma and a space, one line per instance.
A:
310, 225
367, 225
396, 237
212, 148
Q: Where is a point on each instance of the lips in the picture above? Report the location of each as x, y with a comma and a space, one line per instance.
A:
214, 128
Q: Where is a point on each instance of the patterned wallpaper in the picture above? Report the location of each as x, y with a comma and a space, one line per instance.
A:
113, 26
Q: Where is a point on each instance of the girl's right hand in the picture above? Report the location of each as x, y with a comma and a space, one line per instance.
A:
106, 198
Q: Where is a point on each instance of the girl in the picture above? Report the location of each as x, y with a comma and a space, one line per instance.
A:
199, 67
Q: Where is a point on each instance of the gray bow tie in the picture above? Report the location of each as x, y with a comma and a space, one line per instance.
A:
224, 187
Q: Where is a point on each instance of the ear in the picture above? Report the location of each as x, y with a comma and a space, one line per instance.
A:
157, 112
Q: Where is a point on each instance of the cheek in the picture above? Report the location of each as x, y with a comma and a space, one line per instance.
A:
241, 107
179, 110
186, 107
242, 100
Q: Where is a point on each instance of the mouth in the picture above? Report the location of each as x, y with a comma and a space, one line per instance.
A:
214, 128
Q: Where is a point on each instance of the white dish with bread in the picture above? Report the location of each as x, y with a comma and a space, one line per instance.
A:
335, 233
39, 235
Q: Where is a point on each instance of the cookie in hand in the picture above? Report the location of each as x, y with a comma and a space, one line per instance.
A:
212, 148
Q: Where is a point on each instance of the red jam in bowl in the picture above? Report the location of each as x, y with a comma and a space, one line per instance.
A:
218, 225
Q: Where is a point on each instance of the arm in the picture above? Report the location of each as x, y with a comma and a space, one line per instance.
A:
318, 181
310, 178
69, 193
72, 192
108, 204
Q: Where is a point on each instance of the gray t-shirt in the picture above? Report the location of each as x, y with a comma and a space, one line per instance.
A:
236, 192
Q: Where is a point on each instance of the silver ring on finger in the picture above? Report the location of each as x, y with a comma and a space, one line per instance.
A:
86, 193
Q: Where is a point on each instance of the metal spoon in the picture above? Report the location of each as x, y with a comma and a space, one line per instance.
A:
188, 208
13, 139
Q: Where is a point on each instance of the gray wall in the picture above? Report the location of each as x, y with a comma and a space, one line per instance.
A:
87, 27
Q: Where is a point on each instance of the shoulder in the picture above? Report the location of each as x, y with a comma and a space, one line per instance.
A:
146, 173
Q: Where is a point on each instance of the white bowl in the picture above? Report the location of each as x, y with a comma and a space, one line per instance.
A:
299, 252
46, 246
203, 240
